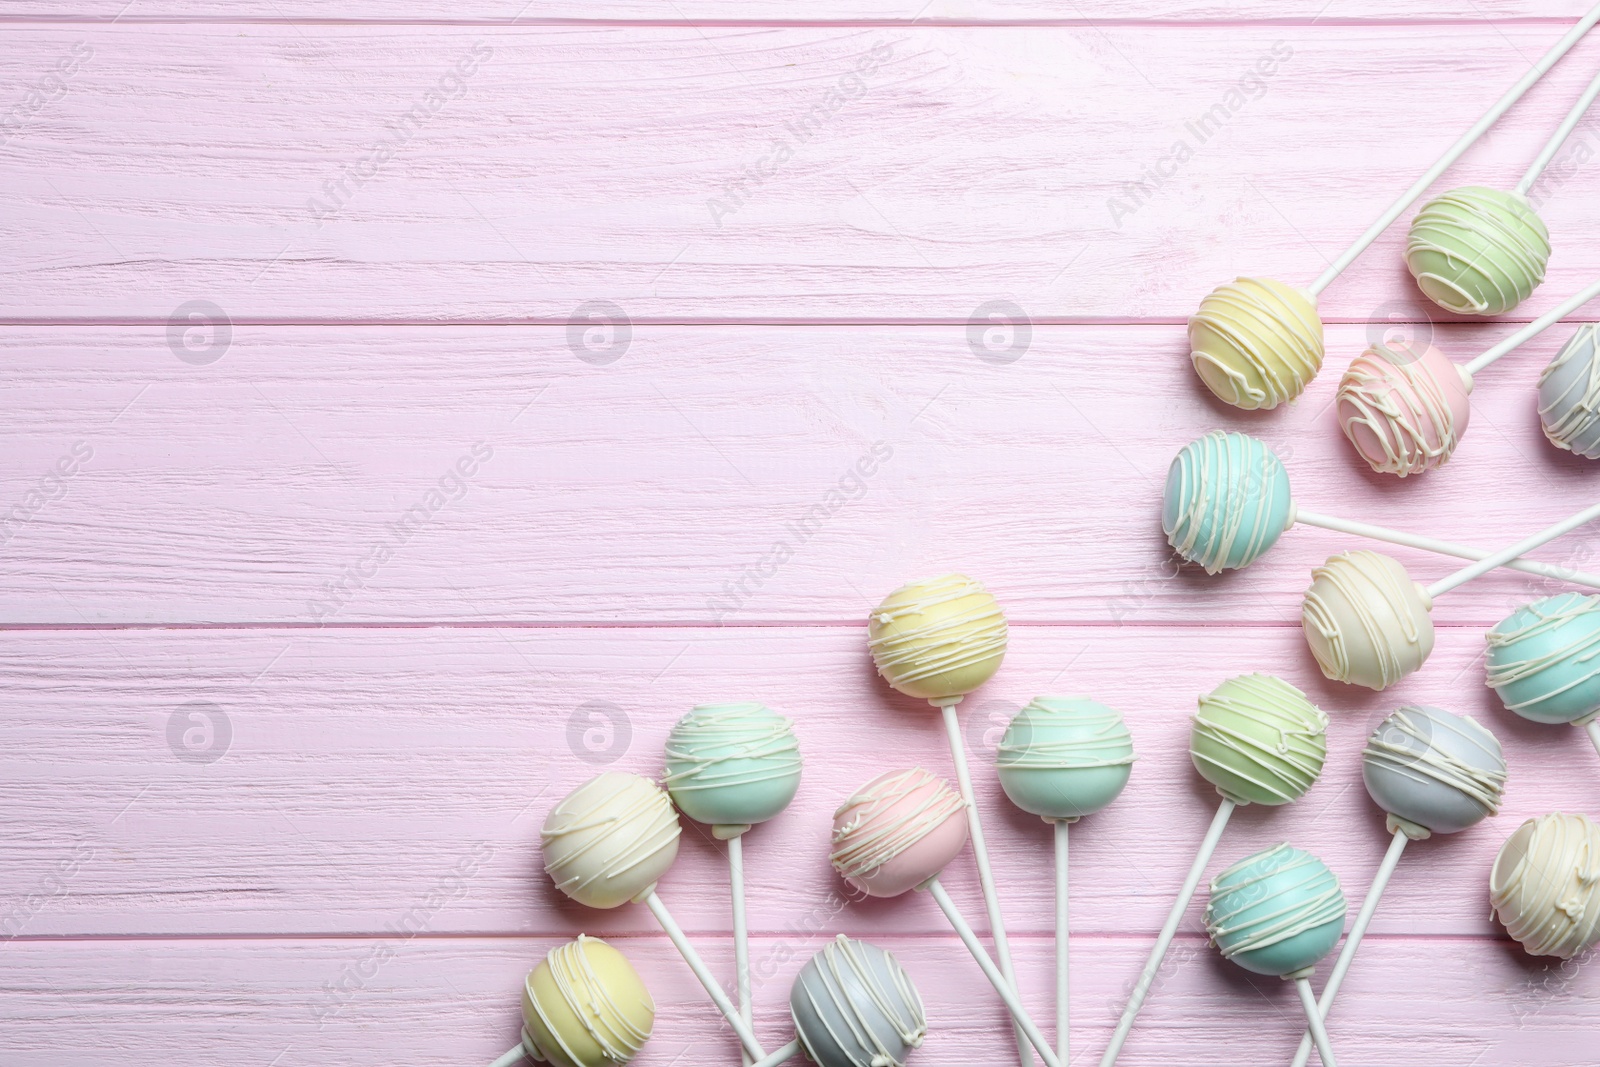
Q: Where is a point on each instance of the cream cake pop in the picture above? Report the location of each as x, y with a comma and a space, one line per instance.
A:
732, 766
583, 1006
1279, 912
1256, 342
897, 833
607, 844
1569, 394
1481, 251
1367, 623
1544, 661
1405, 407
1258, 740
938, 640
1545, 885
1063, 758
1227, 502
855, 1006
1433, 773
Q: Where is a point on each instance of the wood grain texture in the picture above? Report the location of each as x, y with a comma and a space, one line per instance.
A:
669, 485
354, 773
545, 168
444, 1002
314, 607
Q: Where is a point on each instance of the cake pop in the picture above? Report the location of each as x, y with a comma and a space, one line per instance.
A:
1368, 623
897, 833
607, 844
733, 765
1544, 661
1405, 406
1279, 912
1063, 758
1545, 885
1256, 342
938, 640
583, 1006
1481, 251
1569, 395
1227, 501
1434, 773
1258, 740
855, 1006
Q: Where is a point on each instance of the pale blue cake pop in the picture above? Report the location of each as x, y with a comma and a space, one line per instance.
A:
1544, 659
1226, 501
732, 765
1064, 757
1277, 912
1433, 772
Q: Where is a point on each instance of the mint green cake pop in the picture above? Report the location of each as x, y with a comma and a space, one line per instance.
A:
1226, 501
1064, 757
1277, 912
732, 765
1544, 659
1478, 251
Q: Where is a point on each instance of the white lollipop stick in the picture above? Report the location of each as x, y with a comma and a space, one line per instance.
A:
1063, 947
513, 1056
1501, 106
698, 966
980, 852
1158, 953
1534, 328
1443, 548
1352, 941
1318, 1032
1006, 990
1593, 728
741, 934
787, 1052
1484, 566
1558, 138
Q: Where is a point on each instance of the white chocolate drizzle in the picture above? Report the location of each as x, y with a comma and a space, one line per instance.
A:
877, 831
622, 839
1214, 493
1368, 592
1275, 339
589, 1001
710, 737
1284, 767
1392, 391
1483, 231
1483, 785
1102, 742
1546, 618
943, 644
1309, 892
1549, 898
1571, 418
827, 983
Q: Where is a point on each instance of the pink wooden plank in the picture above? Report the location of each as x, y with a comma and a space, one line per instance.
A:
449, 1002
771, 11
355, 771
262, 488
574, 164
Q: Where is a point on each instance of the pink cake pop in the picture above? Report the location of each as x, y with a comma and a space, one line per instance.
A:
896, 834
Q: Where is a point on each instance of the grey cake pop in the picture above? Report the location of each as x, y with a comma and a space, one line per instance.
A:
855, 1006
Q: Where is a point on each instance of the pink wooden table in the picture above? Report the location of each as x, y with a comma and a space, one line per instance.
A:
397, 539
